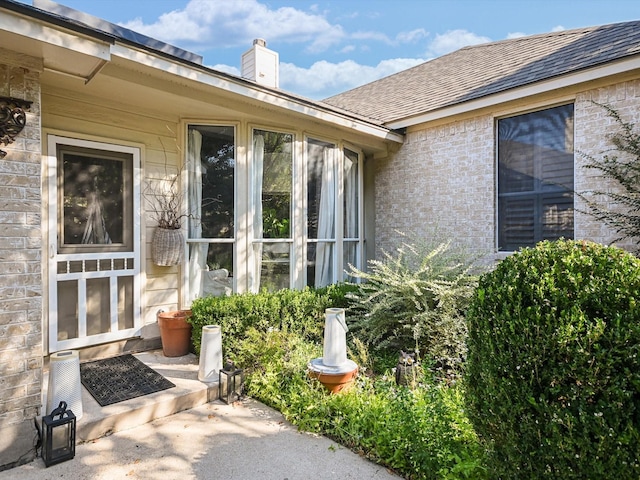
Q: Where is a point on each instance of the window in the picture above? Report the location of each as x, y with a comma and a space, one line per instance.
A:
96, 195
535, 177
322, 196
352, 242
211, 198
272, 196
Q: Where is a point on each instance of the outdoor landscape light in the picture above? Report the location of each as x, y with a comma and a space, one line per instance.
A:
231, 383
58, 435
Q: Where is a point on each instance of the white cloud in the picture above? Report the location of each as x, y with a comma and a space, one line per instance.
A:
558, 28
324, 79
515, 35
453, 40
203, 23
412, 36
226, 69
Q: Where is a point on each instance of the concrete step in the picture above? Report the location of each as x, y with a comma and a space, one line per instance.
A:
189, 392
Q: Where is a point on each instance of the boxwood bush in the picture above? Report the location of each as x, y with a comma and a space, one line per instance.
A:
553, 370
297, 311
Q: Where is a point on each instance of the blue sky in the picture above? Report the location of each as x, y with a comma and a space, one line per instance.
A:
330, 46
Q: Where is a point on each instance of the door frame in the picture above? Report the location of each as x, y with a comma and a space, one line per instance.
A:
53, 344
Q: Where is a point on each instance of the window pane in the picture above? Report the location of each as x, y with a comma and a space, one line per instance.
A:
274, 182
276, 266
351, 257
535, 177
271, 197
351, 194
322, 193
97, 200
320, 264
321, 190
211, 181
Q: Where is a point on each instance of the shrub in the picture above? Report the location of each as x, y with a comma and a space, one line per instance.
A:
553, 369
415, 300
299, 311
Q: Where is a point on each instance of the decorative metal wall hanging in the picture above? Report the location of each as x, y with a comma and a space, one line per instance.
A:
12, 119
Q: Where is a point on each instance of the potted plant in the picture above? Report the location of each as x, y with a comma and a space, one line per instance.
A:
175, 332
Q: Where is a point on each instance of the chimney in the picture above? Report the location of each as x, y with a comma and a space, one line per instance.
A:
261, 64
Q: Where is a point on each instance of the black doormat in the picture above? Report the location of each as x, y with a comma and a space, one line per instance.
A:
121, 378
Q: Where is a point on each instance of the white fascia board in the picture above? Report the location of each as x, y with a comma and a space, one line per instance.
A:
270, 98
521, 92
42, 33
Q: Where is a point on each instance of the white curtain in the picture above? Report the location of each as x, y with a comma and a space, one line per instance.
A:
258, 167
326, 220
197, 251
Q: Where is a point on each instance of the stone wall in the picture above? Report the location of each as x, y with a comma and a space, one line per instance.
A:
443, 178
20, 270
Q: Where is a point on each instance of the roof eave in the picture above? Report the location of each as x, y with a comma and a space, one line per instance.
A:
248, 89
582, 76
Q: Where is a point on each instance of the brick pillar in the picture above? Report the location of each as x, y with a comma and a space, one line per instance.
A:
21, 351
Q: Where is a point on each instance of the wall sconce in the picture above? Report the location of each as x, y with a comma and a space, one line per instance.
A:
58, 435
231, 383
12, 119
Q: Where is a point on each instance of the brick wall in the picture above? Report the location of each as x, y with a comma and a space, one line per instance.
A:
20, 271
440, 180
444, 177
592, 125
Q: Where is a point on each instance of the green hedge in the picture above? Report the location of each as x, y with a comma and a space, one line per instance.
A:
296, 311
553, 371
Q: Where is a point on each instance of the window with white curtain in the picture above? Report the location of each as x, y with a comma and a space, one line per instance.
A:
322, 197
271, 205
352, 241
535, 177
211, 168
299, 209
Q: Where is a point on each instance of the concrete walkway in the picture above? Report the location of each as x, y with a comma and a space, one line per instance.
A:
244, 441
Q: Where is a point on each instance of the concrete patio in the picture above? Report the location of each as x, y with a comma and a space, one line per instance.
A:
186, 433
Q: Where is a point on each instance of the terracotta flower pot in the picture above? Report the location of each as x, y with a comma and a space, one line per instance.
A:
175, 332
335, 382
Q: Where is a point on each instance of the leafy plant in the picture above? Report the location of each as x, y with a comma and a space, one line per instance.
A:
553, 371
421, 433
416, 300
621, 164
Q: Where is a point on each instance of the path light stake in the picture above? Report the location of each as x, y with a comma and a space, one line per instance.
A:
58, 435
231, 383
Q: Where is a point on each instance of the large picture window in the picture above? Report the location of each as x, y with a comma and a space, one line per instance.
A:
535, 177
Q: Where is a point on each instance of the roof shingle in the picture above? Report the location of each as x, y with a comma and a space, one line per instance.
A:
477, 71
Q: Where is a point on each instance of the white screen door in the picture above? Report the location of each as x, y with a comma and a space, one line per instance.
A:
94, 242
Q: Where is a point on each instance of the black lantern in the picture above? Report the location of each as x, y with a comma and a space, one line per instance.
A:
231, 380
58, 435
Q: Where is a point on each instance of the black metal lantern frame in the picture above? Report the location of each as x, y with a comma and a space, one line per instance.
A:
58, 435
231, 383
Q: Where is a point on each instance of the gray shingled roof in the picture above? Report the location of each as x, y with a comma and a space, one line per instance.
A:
481, 70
